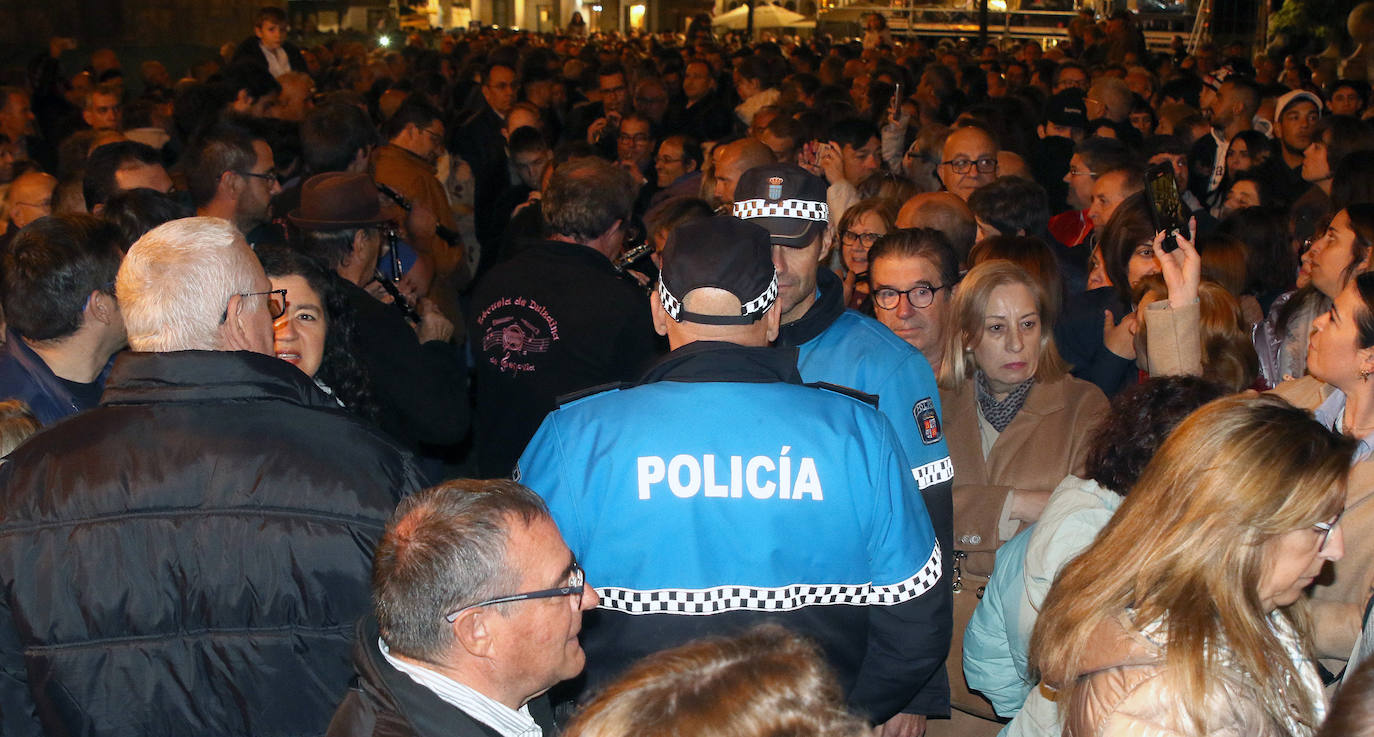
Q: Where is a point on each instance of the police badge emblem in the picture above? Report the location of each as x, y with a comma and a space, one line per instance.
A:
775, 188
928, 420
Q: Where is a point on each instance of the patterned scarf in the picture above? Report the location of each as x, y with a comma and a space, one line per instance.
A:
1000, 414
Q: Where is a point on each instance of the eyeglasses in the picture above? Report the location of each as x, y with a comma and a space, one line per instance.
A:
919, 296
270, 175
636, 138
1082, 173
576, 583
670, 159
1325, 529
985, 165
867, 239
276, 303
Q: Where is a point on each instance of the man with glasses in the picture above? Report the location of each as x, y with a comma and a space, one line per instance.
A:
231, 175
635, 148
678, 166
1091, 157
598, 123
911, 276
968, 160
467, 649
414, 138
478, 135
804, 511
193, 544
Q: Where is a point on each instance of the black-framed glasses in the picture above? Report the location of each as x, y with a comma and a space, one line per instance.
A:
985, 165
276, 303
1325, 529
270, 175
921, 295
867, 239
636, 138
577, 580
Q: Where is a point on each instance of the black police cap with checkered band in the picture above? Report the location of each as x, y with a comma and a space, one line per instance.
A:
786, 199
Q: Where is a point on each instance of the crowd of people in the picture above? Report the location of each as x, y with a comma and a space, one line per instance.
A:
675, 384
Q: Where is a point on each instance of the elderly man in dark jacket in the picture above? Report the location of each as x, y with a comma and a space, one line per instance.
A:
189, 557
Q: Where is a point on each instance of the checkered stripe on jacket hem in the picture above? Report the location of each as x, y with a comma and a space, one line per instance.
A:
782, 599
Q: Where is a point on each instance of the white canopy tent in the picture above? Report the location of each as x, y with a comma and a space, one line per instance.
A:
766, 15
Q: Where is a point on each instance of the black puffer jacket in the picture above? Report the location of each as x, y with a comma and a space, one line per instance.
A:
189, 558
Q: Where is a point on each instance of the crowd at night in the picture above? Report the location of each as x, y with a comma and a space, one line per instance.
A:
499, 383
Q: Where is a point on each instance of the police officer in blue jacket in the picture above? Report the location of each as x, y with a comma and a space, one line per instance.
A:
841, 346
720, 491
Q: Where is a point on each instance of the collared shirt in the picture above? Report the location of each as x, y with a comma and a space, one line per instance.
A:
505, 720
278, 63
1331, 413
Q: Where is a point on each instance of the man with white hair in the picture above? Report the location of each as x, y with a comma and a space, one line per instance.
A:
183, 556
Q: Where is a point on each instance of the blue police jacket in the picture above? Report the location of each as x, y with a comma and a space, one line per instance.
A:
721, 492
840, 346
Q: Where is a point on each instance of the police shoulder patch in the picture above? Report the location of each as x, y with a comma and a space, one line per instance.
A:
928, 420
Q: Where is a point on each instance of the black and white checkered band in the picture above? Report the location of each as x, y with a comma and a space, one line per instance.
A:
756, 306
783, 599
762, 302
800, 209
671, 305
934, 472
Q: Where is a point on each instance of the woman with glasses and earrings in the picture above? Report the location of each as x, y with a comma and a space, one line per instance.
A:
1186, 615
860, 227
1016, 424
1339, 393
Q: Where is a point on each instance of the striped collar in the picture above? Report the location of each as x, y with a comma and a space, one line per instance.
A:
505, 720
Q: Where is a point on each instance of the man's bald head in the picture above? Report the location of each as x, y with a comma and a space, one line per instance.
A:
1011, 164
946, 213
732, 160
30, 197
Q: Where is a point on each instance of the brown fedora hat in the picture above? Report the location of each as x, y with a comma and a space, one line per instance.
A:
338, 200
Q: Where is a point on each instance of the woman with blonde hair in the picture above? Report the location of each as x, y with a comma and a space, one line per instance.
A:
1016, 424
1186, 615
767, 682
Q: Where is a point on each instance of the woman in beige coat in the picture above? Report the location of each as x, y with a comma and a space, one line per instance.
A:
1186, 615
1016, 424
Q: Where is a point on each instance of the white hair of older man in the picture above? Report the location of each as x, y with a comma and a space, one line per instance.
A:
175, 283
